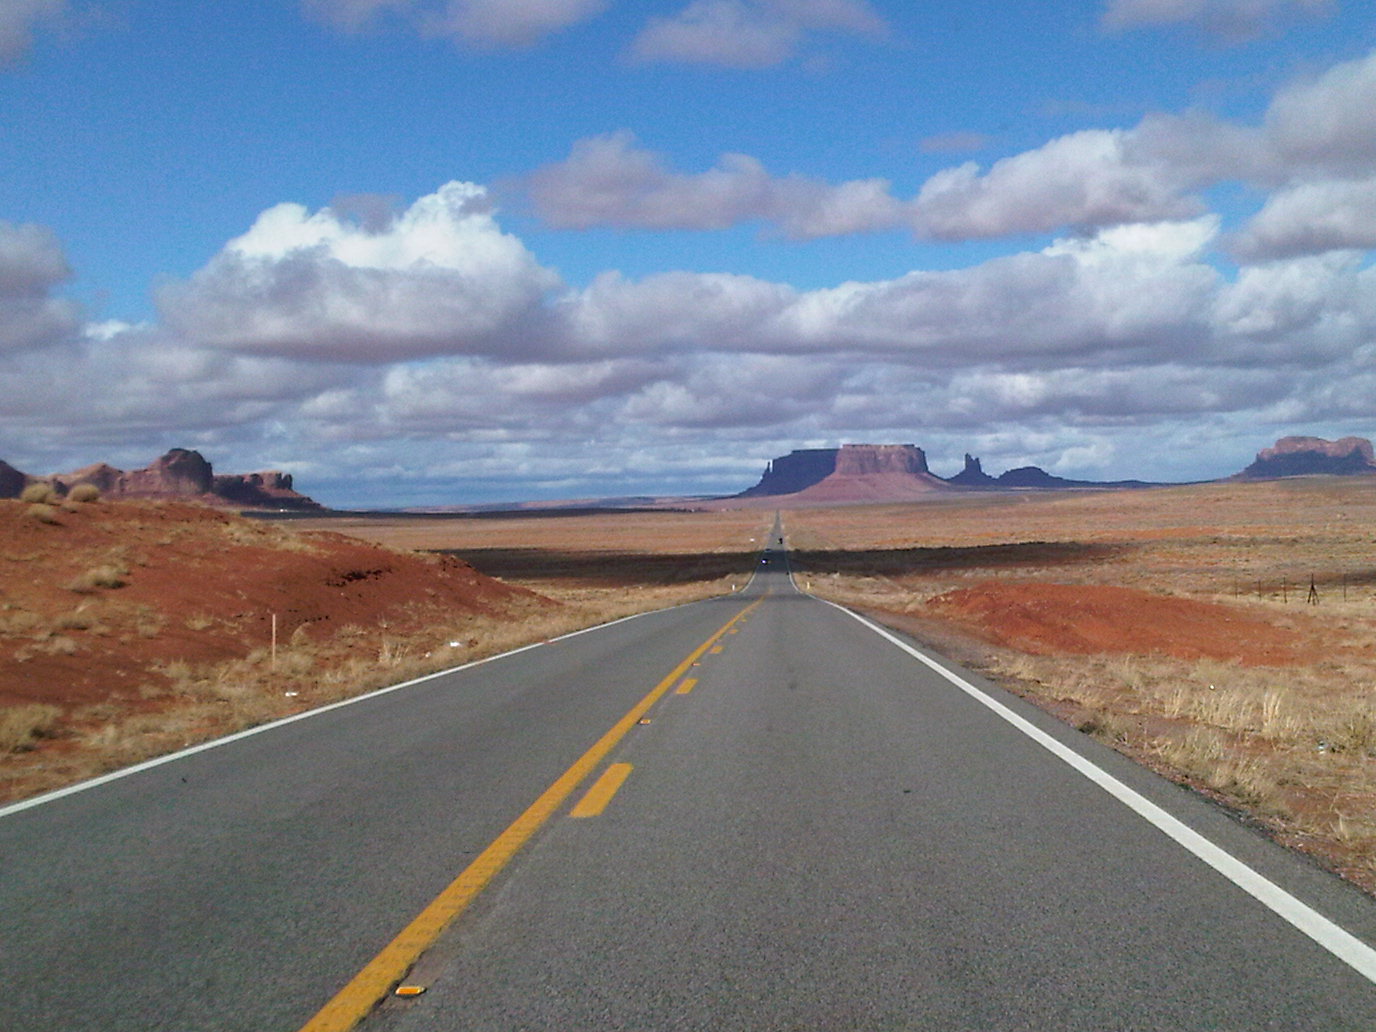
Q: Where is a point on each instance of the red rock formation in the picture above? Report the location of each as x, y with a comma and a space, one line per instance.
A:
181, 473
1307, 456
864, 459
851, 473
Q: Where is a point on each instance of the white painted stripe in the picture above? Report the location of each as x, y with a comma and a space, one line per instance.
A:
1337, 941
158, 761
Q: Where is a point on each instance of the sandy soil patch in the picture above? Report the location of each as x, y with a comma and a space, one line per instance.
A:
1087, 619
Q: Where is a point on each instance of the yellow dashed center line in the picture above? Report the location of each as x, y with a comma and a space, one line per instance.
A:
718, 649
686, 686
592, 804
352, 1003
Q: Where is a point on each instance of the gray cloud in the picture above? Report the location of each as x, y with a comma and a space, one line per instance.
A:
1229, 20
18, 21
31, 265
610, 180
749, 33
1311, 218
514, 23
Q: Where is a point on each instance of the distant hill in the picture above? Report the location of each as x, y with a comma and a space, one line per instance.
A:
1028, 477
181, 474
891, 473
1311, 456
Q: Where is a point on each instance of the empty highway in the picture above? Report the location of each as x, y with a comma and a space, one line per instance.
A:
757, 812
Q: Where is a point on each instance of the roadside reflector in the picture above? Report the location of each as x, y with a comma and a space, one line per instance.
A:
409, 990
645, 720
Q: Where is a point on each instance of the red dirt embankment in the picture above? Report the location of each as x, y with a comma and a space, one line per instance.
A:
1086, 619
95, 603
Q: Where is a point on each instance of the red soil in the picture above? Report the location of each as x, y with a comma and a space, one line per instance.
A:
199, 585
1083, 619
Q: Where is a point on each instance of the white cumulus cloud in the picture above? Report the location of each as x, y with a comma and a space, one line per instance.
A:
1088, 178
442, 278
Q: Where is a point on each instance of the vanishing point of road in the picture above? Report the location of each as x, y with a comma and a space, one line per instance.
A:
752, 813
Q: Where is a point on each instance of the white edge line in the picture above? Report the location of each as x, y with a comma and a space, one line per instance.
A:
1336, 940
158, 761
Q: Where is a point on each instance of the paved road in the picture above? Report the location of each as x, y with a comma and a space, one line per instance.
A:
822, 833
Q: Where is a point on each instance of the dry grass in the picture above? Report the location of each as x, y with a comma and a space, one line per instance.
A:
21, 725
108, 575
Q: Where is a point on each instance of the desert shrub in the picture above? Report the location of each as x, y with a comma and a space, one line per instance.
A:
42, 512
20, 725
38, 494
84, 493
109, 575
74, 621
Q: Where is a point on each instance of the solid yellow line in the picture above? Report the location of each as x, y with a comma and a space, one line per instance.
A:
352, 1003
597, 798
687, 686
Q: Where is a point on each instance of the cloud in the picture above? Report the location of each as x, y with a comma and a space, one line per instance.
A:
346, 337
506, 23
1086, 179
440, 279
513, 22
1327, 122
1229, 20
19, 19
749, 33
1312, 218
611, 181
1316, 142
31, 265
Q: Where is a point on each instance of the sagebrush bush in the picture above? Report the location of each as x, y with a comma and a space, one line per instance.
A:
20, 725
38, 494
42, 512
84, 493
107, 576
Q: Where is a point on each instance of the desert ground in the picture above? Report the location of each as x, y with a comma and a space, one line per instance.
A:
1176, 624
129, 629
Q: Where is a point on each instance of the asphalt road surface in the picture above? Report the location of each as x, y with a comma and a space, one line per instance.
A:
753, 813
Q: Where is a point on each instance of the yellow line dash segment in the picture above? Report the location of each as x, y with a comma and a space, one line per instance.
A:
364, 991
686, 686
718, 649
592, 804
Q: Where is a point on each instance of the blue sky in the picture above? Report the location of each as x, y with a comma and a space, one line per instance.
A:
454, 251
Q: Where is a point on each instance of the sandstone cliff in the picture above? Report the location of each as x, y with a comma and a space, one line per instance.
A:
181, 473
853, 472
1307, 456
